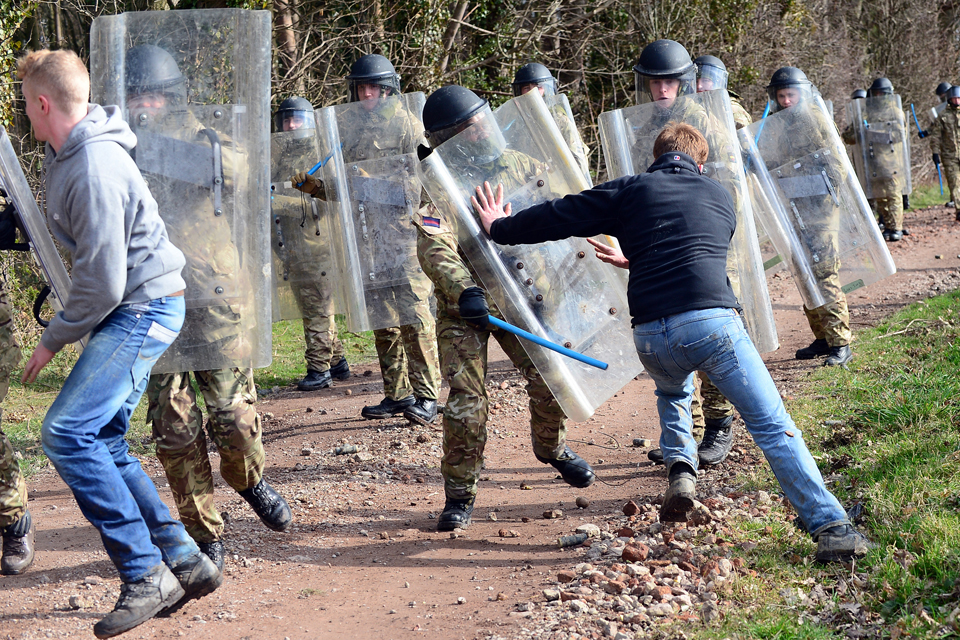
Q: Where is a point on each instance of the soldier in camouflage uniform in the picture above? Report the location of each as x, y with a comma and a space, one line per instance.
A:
536, 75
945, 140
831, 322
462, 306
311, 289
156, 87
408, 355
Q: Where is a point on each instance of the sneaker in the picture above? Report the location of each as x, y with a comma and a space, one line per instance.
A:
818, 347
717, 441
341, 370
214, 551
841, 543
198, 576
387, 408
678, 501
422, 412
839, 356
574, 470
655, 455
456, 515
315, 380
139, 601
269, 505
18, 546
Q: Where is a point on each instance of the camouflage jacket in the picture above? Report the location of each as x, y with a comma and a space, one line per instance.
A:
740, 116
945, 134
653, 119
387, 130
571, 135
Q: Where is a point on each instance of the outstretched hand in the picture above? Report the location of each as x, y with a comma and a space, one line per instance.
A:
490, 205
610, 255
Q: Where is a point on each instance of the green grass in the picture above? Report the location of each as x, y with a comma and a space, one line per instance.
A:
928, 195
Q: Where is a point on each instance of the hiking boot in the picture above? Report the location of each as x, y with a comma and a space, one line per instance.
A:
895, 236
841, 543
456, 515
655, 455
905, 231
817, 348
839, 356
423, 411
387, 408
678, 500
198, 575
950, 204
315, 380
717, 441
139, 601
269, 505
214, 551
341, 370
18, 546
574, 470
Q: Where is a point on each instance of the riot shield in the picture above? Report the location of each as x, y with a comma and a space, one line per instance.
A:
853, 152
370, 176
883, 143
302, 252
627, 136
559, 108
817, 217
936, 111
16, 190
204, 152
556, 290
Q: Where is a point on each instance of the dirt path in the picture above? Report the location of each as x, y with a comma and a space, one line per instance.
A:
363, 558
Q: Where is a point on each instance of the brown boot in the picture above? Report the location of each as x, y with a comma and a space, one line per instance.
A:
18, 550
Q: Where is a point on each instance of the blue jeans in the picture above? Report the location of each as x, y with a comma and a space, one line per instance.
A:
83, 435
714, 341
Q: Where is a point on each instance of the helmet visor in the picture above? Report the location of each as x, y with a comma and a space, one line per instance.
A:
787, 95
364, 89
665, 88
710, 77
294, 120
549, 87
477, 140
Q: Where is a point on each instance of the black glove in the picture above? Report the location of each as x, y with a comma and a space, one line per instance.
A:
936, 159
8, 231
923, 133
473, 307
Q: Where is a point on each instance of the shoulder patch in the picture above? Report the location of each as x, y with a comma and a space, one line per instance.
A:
429, 218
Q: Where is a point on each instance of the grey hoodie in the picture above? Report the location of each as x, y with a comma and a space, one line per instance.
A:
99, 208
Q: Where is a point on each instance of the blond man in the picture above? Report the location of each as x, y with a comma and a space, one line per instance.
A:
126, 295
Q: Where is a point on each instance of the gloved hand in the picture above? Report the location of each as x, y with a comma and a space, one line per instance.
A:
936, 159
310, 185
473, 307
923, 133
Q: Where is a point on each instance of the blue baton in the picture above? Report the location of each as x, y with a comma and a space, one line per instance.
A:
919, 128
517, 331
940, 178
320, 164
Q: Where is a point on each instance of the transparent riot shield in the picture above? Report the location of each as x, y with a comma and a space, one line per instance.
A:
303, 262
853, 152
559, 108
370, 177
883, 143
817, 215
627, 136
556, 290
16, 191
203, 145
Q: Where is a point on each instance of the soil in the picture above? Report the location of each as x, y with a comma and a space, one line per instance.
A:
363, 558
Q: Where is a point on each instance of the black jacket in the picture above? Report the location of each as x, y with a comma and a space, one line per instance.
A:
673, 224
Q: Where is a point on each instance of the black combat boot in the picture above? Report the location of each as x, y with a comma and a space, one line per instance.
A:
817, 348
839, 356
387, 408
678, 500
18, 546
341, 370
655, 455
574, 470
214, 551
423, 411
841, 543
315, 380
717, 441
269, 505
456, 515
139, 601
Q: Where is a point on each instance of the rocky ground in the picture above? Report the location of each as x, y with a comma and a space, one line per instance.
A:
363, 558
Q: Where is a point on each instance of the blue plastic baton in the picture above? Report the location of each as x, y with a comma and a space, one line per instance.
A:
919, 128
320, 164
940, 178
500, 324
762, 118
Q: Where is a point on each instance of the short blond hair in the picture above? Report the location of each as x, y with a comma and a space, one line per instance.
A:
59, 75
679, 136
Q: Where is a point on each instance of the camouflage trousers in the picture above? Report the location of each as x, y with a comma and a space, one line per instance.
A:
831, 322
13, 488
951, 173
707, 403
324, 348
890, 212
463, 359
408, 357
232, 424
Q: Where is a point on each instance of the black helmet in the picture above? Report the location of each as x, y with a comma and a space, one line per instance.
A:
858, 94
942, 88
373, 69
150, 69
664, 60
880, 87
536, 74
447, 109
788, 77
711, 68
294, 108
953, 92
